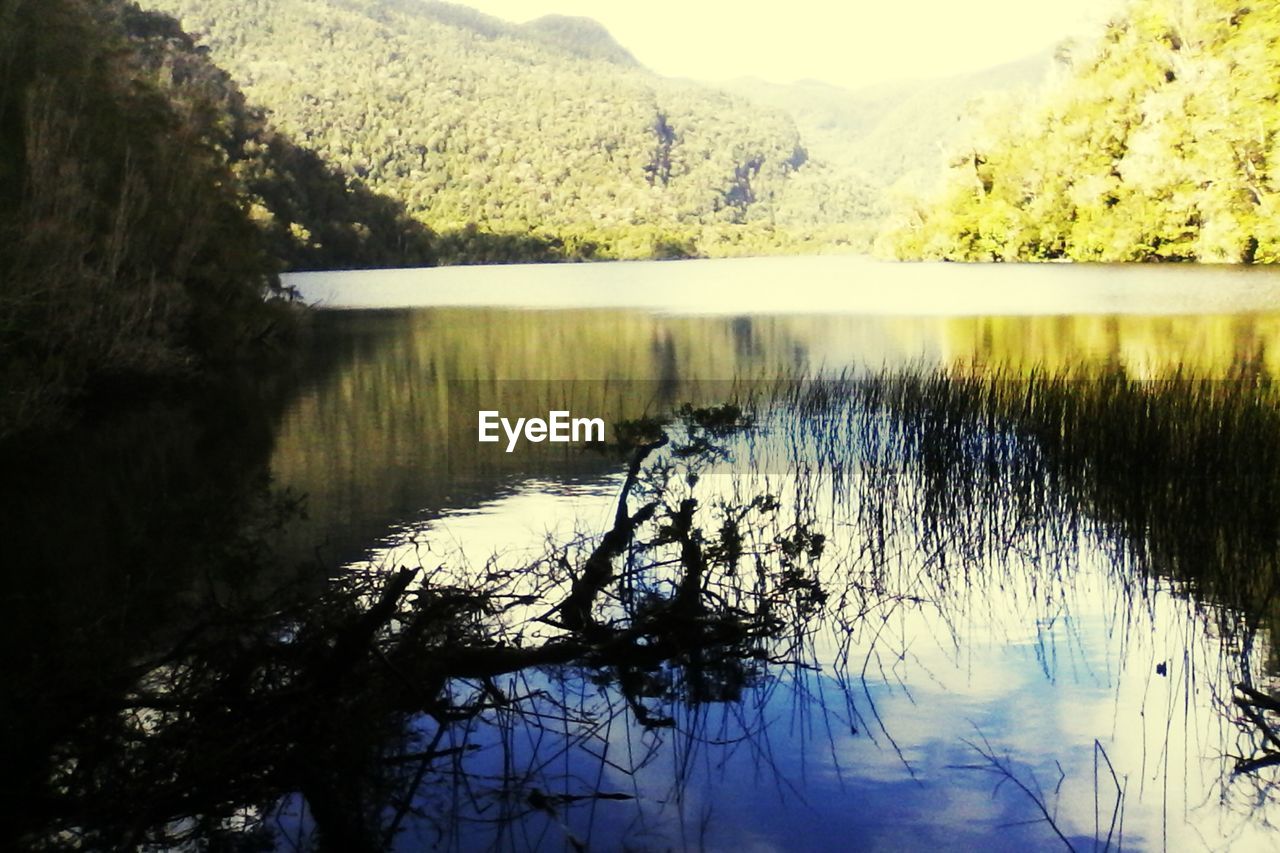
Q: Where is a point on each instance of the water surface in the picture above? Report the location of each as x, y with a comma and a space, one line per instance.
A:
958, 685
988, 559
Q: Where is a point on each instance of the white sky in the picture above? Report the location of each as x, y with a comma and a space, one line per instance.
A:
854, 43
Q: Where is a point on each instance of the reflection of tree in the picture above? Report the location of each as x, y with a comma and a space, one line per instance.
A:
1002, 768
530, 705
357, 700
111, 532
1259, 709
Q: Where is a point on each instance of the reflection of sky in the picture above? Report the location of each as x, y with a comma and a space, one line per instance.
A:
537, 512
839, 285
1031, 663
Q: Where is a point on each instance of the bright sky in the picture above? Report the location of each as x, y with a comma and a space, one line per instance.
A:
852, 43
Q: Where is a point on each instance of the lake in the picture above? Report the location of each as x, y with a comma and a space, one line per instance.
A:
983, 557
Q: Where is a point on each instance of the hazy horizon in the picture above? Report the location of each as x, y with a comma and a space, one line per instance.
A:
852, 45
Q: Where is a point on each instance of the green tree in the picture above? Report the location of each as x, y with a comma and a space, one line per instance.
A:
1157, 144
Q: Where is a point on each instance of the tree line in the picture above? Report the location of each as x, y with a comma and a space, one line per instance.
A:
549, 132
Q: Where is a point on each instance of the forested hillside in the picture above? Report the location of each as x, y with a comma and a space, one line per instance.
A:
547, 133
1161, 142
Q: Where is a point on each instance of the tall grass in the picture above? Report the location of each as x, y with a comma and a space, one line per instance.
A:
1175, 477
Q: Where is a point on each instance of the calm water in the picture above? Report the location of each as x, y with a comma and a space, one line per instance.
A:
950, 688
383, 431
986, 570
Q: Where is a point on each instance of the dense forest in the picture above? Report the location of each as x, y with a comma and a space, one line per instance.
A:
547, 132
146, 207
1161, 142
124, 248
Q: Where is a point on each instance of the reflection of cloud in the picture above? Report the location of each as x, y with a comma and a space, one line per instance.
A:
1039, 658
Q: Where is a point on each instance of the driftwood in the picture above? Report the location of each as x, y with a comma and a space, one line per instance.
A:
306, 697
1255, 705
597, 571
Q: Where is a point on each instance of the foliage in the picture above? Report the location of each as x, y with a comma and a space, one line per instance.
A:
124, 248
312, 216
545, 135
145, 208
1173, 475
1158, 144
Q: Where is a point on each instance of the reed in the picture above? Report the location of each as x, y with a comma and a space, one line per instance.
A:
1175, 477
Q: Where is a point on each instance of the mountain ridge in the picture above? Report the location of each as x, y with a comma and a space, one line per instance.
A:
582, 36
890, 129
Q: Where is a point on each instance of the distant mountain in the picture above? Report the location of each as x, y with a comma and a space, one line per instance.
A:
890, 130
576, 36
579, 36
548, 132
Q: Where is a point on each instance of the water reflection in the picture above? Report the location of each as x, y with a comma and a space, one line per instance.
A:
1007, 617
925, 609
383, 432
364, 697
1009, 584
1118, 534
119, 539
